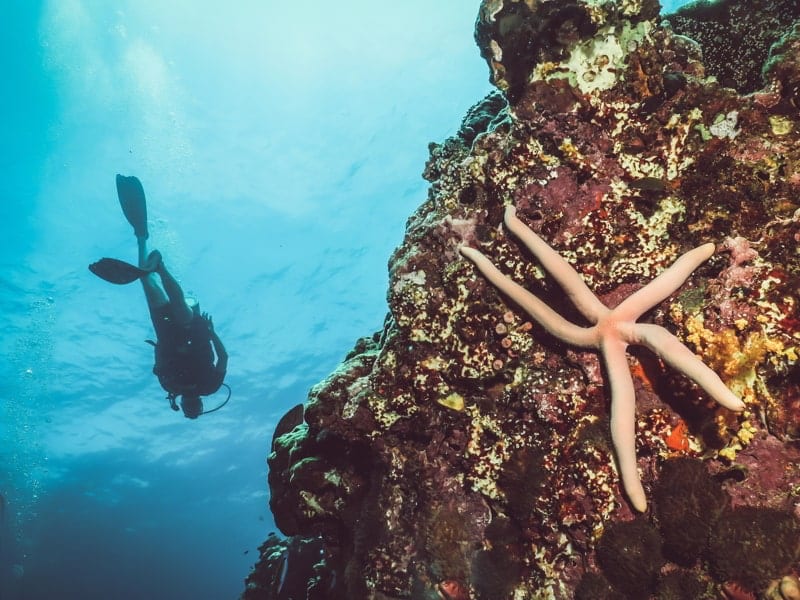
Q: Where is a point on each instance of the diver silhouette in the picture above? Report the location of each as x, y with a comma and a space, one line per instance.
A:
184, 359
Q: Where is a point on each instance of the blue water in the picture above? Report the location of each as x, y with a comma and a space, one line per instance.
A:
280, 146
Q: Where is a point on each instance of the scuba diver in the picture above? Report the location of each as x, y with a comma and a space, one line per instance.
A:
184, 359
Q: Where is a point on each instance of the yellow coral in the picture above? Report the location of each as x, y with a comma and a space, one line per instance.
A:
454, 401
780, 125
737, 361
734, 359
743, 437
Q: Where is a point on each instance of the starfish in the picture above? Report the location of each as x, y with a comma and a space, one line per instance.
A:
611, 332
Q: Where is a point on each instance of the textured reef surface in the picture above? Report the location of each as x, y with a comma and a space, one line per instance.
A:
463, 452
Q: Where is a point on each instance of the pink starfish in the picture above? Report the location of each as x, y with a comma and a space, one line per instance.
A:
612, 330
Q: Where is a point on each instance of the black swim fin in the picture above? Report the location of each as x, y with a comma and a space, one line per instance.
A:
117, 271
120, 272
133, 203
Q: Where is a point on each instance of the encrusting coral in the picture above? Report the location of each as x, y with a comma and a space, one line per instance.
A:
463, 451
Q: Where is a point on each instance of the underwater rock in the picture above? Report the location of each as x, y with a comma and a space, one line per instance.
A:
462, 452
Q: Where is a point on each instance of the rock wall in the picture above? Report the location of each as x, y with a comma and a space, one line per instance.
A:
463, 452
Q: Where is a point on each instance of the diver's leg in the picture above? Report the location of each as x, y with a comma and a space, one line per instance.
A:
183, 314
141, 243
152, 291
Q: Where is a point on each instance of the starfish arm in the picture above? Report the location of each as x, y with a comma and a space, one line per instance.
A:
554, 323
623, 419
680, 358
665, 284
567, 277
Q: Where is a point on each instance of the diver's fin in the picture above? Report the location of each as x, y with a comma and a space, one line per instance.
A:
133, 203
117, 271
120, 272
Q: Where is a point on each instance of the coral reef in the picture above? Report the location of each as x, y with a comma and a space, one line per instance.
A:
462, 452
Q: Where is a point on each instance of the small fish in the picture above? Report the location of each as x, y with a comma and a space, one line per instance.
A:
284, 570
649, 184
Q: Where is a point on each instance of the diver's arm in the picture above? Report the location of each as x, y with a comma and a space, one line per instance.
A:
219, 348
222, 355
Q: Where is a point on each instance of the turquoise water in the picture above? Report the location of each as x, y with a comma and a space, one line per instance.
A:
281, 150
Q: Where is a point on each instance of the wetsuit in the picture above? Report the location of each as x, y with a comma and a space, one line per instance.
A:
184, 358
